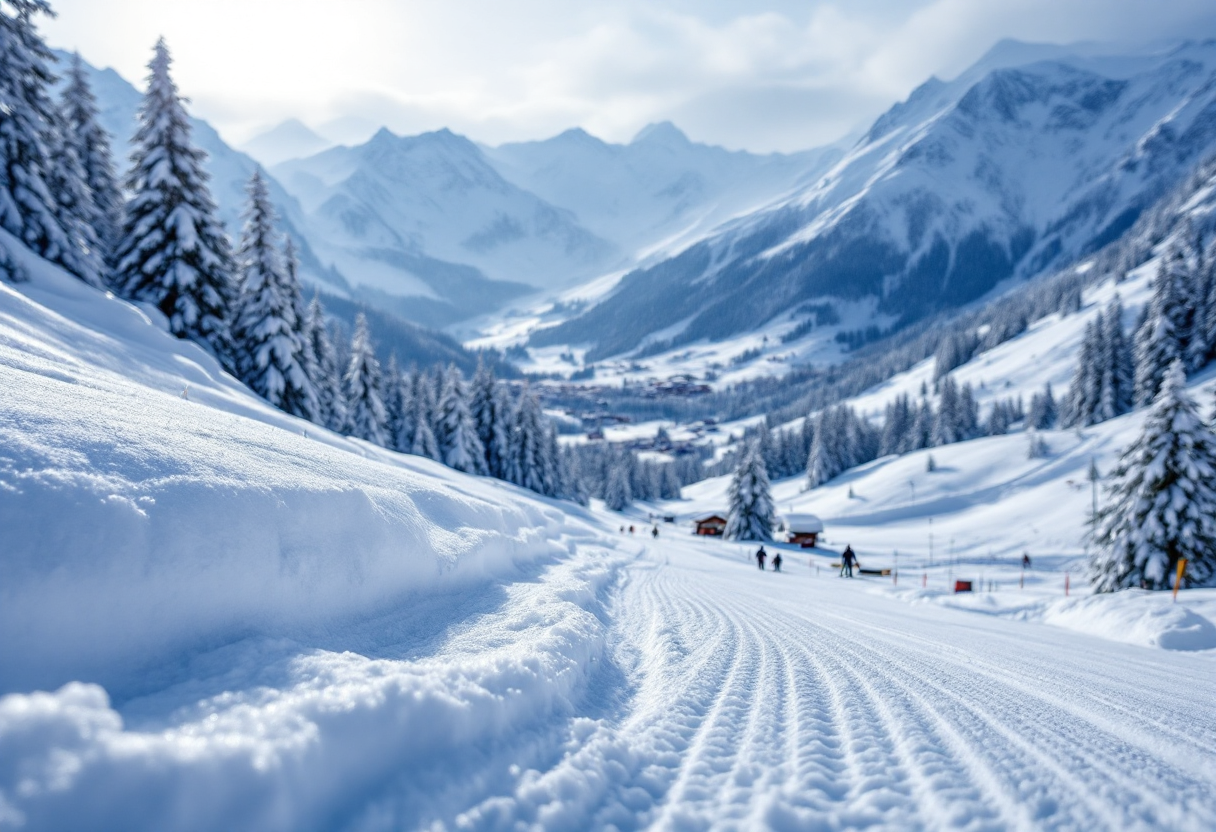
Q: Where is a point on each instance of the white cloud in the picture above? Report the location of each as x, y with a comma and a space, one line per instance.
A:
782, 75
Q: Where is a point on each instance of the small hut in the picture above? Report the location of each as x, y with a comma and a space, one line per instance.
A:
802, 529
709, 525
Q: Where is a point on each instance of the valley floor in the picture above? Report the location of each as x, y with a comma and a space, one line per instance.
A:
631, 684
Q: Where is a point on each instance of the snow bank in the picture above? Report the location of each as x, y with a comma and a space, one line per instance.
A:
315, 745
140, 521
1148, 619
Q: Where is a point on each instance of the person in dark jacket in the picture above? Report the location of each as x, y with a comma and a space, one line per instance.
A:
777, 562
847, 561
760, 556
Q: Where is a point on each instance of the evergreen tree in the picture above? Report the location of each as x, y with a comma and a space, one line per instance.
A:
1160, 341
896, 426
91, 144
424, 443
751, 512
1161, 502
398, 404
34, 207
822, 464
366, 418
948, 424
1118, 379
269, 342
325, 373
173, 253
617, 494
1042, 415
459, 445
530, 465
73, 202
490, 410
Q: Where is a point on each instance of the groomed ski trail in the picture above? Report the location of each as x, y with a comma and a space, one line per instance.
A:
794, 702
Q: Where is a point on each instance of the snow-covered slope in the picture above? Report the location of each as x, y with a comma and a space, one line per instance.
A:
1005, 171
260, 625
151, 504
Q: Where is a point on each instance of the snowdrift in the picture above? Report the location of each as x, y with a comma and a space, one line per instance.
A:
152, 504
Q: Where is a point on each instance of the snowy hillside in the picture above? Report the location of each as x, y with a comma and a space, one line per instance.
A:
214, 616
1003, 172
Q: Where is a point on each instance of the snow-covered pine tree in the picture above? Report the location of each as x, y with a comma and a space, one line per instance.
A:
1206, 325
948, 424
530, 466
1084, 393
669, 483
1161, 341
73, 202
33, 206
366, 418
174, 253
751, 511
398, 404
617, 494
92, 146
268, 339
921, 435
456, 434
1161, 505
424, 443
1118, 377
1042, 414
326, 374
822, 463
896, 425
490, 410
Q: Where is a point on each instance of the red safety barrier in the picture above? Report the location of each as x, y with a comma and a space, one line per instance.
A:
962, 586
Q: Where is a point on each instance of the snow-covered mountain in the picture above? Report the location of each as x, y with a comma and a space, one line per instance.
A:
425, 220
657, 191
427, 217
1030, 158
291, 139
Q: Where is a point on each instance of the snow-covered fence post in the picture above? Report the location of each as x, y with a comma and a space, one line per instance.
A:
1066, 576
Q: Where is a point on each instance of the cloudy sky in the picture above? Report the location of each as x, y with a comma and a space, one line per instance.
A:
775, 75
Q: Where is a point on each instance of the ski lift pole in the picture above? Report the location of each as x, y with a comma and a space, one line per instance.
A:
1178, 577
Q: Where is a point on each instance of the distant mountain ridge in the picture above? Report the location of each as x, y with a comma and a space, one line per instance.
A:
1005, 172
290, 139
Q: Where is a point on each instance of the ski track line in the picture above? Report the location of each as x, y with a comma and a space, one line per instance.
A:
1054, 739
753, 707
1047, 725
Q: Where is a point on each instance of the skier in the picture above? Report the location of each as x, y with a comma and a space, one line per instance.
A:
1025, 560
777, 562
847, 561
631, 529
655, 532
760, 556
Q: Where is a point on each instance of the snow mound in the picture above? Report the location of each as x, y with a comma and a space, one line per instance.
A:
1137, 617
1134, 616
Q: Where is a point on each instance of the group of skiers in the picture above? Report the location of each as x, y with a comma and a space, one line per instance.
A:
848, 560
762, 556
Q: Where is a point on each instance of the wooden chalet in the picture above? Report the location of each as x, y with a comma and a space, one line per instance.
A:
709, 525
802, 529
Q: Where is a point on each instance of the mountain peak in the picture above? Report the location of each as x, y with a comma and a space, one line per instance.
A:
661, 133
290, 139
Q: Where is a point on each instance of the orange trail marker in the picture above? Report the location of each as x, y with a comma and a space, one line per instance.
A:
1178, 577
